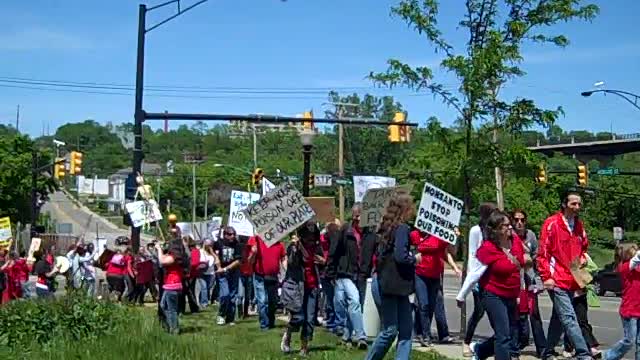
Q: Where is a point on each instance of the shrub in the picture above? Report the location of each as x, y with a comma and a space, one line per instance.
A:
71, 317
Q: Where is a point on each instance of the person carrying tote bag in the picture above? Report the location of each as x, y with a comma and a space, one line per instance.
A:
395, 269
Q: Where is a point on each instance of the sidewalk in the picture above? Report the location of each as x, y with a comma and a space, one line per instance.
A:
454, 351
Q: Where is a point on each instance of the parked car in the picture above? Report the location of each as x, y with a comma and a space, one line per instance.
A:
607, 280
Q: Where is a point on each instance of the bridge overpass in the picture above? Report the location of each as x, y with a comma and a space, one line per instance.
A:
599, 150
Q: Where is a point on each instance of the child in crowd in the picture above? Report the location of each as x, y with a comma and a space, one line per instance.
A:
629, 269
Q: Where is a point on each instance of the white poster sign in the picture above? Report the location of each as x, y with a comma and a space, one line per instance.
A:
213, 227
279, 213
439, 213
363, 183
239, 201
143, 212
373, 205
267, 186
324, 180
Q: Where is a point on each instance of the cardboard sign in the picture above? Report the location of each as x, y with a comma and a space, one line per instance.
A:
5, 232
278, 213
439, 213
373, 204
239, 201
363, 183
324, 207
143, 212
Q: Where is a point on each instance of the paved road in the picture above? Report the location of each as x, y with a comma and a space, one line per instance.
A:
83, 220
605, 320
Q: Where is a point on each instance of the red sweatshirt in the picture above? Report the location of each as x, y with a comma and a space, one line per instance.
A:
502, 277
558, 247
434, 252
630, 304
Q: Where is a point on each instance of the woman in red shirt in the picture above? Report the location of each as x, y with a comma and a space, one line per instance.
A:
503, 253
302, 260
629, 269
173, 263
429, 284
116, 272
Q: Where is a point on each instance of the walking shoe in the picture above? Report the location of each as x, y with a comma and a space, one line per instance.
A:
362, 344
304, 349
424, 342
567, 355
466, 351
472, 347
447, 340
285, 344
346, 343
221, 320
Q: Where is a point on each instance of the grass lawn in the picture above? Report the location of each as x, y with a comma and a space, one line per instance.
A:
202, 339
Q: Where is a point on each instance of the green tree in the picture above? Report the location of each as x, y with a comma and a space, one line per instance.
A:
16, 152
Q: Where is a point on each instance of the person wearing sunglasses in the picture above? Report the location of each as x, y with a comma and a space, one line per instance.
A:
229, 251
529, 310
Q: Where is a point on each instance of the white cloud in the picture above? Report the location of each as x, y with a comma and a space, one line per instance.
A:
41, 39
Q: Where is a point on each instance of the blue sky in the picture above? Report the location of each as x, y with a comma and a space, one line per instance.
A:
262, 44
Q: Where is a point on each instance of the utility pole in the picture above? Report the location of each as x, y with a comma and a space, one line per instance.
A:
34, 185
195, 199
498, 170
206, 204
18, 119
340, 165
255, 147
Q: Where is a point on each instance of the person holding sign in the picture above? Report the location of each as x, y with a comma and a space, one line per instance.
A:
502, 252
429, 273
46, 272
267, 260
396, 275
345, 259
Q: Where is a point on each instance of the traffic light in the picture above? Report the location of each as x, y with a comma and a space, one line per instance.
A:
583, 175
75, 163
59, 170
307, 124
541, 174
312, 181
399, 133
257, 176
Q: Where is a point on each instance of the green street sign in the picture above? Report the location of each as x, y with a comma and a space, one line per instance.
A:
343, 182
609, 171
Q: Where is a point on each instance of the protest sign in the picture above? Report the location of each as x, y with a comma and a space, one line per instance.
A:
278, 213
439, 213
5, 232
374, 202
267, 186
239, 201
324, 207
213, 227
363, 183
143, 212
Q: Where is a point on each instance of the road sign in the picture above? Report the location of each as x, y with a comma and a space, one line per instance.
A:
618, 233
609, 171
323, 180
343, 182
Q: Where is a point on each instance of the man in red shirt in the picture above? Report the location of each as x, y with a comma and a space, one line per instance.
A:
267, 261
563, 245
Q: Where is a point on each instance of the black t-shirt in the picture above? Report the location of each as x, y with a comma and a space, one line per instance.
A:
228, 252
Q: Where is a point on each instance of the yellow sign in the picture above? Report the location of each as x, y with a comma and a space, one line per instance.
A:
5, 232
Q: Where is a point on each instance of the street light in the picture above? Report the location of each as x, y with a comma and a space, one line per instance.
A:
306, 138
633, 99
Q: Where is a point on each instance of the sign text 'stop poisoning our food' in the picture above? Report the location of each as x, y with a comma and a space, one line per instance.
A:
439, 213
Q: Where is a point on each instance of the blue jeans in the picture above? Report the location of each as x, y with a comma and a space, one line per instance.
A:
396, 321
430, 302
347, 295
228, 291
266, 292
631, 327
42, 293
502, 313
377, 295
204, 281
169, 306
567, 321
303, 320
330, 314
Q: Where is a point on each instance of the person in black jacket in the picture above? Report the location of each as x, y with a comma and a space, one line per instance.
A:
350, 254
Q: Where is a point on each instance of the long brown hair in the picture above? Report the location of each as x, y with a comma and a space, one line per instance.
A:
494, 225
397, 211
624, 253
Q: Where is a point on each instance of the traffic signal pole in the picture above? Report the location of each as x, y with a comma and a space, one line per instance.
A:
138, 112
